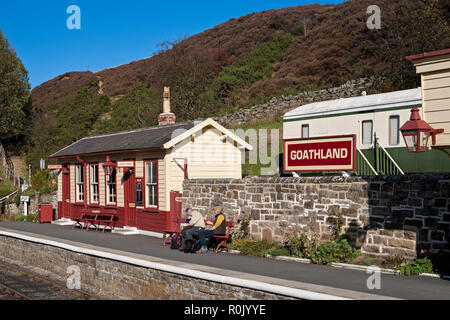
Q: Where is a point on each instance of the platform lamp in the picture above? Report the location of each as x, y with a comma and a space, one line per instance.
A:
109, 167
417, 132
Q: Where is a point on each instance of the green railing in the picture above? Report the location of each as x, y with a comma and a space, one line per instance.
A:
364, 168
384, 163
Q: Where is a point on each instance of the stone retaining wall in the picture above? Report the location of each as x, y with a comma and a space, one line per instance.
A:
395, 215
111, 279
279, 106
33, 208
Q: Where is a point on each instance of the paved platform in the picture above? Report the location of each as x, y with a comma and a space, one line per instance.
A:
334, 281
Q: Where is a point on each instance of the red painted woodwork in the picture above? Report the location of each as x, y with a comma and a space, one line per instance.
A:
45, 213
175, 212
320, 154
130, 198
65, 212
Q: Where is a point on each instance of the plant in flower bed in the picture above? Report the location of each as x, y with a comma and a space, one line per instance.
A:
333, 251
416, 267
258, 248
28, 218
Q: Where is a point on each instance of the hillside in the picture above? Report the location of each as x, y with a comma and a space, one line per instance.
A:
242, 62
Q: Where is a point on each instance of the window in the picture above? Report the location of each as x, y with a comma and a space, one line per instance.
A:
139, 194
80, 183
305, 131
94, 183
111, 188
394, 130
367, 132
151, 185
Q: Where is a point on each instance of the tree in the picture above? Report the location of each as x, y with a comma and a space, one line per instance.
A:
14, 91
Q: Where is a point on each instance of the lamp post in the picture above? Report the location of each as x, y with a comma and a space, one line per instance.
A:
417, 132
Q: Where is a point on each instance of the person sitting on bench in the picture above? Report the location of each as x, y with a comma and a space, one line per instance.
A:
218, 229
195, 226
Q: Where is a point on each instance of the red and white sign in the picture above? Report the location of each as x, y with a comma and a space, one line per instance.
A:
54, 167
320, 154
125, 164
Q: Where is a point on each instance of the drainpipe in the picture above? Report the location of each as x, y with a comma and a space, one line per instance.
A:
85, 180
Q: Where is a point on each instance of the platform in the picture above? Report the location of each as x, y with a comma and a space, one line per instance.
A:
320, 282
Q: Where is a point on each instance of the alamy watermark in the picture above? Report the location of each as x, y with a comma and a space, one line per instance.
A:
74, 279
73, 22
374, 20
206, 151
374, 281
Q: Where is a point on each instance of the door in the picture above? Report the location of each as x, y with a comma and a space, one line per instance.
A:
65, 192
130, 198
176, 203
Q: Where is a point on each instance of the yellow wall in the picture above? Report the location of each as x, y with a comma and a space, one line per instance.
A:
436, 99
435, 71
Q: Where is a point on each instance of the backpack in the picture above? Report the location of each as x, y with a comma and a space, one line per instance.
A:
175, 242
193, 246
196, 247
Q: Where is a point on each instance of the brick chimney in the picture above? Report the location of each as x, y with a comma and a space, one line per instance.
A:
166, 117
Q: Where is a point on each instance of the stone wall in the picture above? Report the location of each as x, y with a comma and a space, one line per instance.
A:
279, 106
33, 207
395, 215
112, 279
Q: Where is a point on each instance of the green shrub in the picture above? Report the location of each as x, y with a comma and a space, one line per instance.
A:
251, 248
299, 245
28, 218
333, 251
416, 267
278, 252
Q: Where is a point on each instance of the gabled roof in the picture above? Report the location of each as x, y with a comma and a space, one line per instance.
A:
160, 137
396, 99
148, 138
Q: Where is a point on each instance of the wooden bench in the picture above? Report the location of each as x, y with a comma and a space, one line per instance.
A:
230, 225
96, 219
107, 220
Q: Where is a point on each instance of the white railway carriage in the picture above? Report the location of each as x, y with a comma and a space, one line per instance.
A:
376, 121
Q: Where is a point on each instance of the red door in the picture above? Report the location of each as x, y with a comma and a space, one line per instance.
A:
65, 192
176, 203
130, 198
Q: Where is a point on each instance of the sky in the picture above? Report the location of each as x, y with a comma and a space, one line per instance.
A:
112, 32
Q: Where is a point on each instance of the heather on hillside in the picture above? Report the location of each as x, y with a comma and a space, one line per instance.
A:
242, 62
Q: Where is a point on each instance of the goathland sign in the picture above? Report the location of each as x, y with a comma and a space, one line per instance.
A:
320, 154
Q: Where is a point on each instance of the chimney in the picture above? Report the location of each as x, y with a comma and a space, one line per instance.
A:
166, 117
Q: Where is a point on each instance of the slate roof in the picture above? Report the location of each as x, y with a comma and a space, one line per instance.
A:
148, 138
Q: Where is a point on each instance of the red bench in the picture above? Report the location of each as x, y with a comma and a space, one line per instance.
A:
96, 219
230, 225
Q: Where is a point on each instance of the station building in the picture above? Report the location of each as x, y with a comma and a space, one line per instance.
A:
138, 175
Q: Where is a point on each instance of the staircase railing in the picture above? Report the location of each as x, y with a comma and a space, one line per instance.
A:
384, 163
364, 168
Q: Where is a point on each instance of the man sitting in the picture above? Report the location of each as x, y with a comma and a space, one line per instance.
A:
219, 228
195, 225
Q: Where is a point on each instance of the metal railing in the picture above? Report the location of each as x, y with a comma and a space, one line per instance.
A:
364, 168
384, 163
